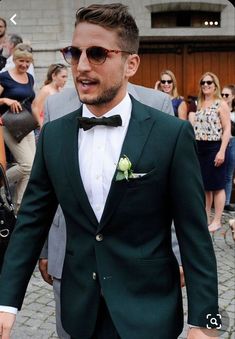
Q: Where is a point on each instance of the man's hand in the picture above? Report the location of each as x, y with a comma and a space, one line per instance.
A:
202, 333
182, 281
42, 265
6, 323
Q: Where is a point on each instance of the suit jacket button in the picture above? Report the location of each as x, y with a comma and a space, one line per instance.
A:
94, 276
99, 237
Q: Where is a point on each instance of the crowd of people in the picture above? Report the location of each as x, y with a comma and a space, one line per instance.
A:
17, 91
102, 62
213, 122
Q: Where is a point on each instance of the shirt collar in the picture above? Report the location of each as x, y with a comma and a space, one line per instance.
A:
123, 109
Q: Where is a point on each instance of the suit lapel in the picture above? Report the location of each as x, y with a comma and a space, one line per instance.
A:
138, 131
71, 161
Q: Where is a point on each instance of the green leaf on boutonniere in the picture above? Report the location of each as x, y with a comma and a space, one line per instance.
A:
120, 176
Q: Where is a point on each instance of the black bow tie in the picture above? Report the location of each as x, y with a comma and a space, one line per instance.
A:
87, 123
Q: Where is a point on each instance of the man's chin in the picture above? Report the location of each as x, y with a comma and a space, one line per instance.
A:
87, 99
104, 98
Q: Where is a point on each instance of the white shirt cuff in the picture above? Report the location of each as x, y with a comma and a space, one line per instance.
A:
8, 309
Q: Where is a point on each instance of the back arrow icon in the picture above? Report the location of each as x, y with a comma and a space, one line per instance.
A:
12, 19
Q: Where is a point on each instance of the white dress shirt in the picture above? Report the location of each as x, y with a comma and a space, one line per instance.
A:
99, 151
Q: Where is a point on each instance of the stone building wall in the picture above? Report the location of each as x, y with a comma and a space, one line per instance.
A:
48, 24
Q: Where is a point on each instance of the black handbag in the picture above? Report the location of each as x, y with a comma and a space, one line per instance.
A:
7, 215
19, 124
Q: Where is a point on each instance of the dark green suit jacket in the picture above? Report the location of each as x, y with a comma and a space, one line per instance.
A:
133, 260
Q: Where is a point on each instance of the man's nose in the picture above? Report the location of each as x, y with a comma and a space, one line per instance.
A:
83, 62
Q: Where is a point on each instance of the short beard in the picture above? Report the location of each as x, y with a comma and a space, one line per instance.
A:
106, 97
2, 35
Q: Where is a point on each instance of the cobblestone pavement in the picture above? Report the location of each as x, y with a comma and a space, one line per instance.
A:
37, 317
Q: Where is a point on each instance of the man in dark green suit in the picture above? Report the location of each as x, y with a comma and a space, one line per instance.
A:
121, 172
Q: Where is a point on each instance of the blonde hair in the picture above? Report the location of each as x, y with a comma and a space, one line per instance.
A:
217, 93
23, 51
174, 82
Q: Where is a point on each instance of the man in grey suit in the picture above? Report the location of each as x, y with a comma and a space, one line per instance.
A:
52, 256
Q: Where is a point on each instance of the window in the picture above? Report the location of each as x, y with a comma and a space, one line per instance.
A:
194, 19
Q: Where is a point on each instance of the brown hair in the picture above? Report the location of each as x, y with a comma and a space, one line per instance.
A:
112, 17
53, 69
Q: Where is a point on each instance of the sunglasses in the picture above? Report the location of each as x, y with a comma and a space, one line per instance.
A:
209, 82
226, 95
95, 54
25, 49
166, 81
57, 66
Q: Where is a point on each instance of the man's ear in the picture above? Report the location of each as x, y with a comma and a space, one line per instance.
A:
132, 64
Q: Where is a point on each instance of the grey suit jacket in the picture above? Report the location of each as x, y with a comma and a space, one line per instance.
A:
57, 106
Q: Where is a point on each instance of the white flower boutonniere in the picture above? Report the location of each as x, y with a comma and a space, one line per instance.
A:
124, 170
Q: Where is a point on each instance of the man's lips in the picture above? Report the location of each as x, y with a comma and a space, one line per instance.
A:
87, 83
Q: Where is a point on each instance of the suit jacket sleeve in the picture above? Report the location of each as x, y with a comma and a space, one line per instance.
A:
196, 248
46, 111
167, 105
44, 252
33, 223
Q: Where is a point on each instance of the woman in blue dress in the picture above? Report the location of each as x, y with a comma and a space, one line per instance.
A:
16, 85
168, 84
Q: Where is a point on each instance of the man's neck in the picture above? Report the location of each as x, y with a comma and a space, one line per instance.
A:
112, 110
100, 110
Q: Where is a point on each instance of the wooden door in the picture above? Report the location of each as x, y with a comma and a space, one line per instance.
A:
188, 62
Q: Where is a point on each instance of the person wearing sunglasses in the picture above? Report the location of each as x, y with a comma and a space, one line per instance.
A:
52, 256
56, 78
212, 127
115, 166
228, 94
168, 84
